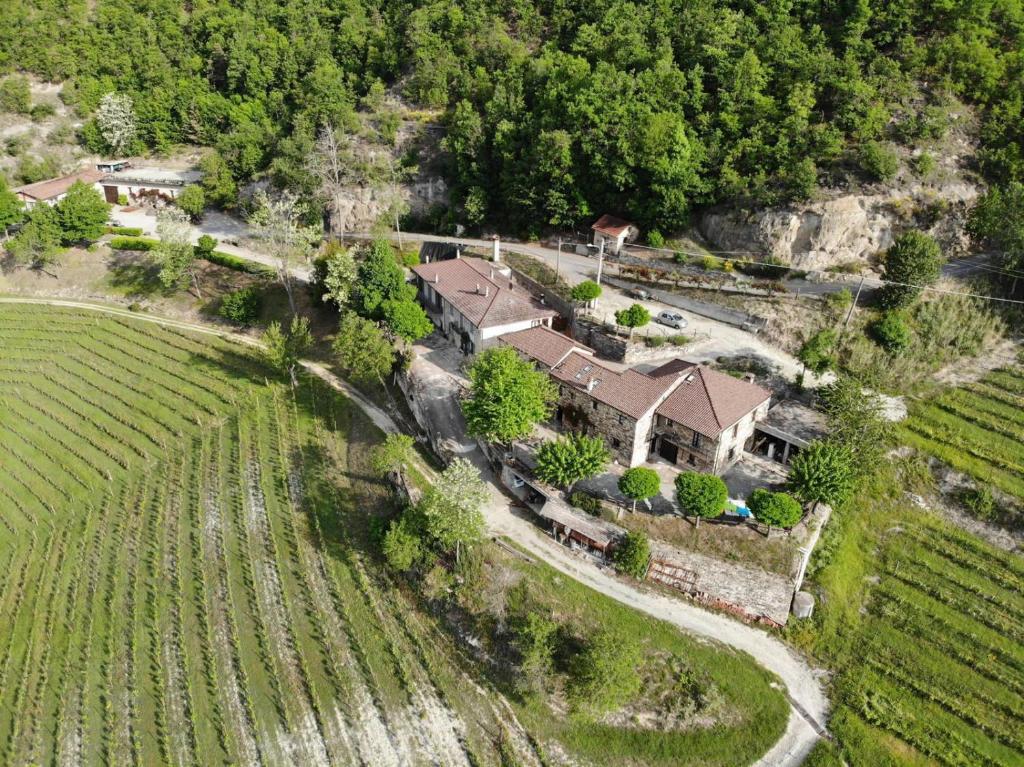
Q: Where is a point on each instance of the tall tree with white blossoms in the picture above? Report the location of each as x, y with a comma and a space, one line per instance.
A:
116, 120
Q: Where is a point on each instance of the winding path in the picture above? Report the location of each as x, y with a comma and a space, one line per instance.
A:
803, 688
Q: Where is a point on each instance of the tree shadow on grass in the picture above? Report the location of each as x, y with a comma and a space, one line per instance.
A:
134, 274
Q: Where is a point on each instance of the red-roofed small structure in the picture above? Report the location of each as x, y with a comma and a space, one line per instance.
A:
613, 232
53, 190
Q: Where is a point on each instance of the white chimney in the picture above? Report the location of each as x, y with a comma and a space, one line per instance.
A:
497, 250
487, 290
592, 384
437, 278
478, 288
458, 252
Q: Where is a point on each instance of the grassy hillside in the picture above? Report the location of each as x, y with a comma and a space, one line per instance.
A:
187, 579
923, 624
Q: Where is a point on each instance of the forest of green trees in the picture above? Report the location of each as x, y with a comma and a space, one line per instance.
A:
555, 109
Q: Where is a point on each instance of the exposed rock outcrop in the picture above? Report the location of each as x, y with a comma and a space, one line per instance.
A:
845, 227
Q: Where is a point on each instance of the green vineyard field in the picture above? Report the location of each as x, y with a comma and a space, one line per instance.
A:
187, 578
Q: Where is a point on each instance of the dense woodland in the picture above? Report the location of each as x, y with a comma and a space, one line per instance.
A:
554, 109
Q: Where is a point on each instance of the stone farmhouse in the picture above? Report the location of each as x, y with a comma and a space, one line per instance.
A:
474, 302
688, 414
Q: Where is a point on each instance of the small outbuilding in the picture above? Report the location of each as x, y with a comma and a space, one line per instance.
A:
613, 233
788, 428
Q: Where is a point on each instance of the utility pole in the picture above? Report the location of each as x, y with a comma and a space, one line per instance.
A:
600, 261
853, 306
558, 260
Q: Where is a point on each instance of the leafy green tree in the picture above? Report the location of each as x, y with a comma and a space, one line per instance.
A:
632, 554
362, 350
818, 353
585, 291
639, 484
774, 509
218, 183
192, 201
508, 396
565, 461
82, 214
912, 262
340, 274
822, 472
284, 349
636, 316
175, 253
38, 244
12, 211
452, 508
394, 454
605, 674
379, 279
856, 420
997, 221
701, 495
406, 319
402, 545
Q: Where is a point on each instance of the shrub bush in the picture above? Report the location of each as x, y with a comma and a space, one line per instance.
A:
234, 262
41, 111
655, 342
133, 243
124, 231
586, 502
679, 339
409, 258
770, 268
241, 307
655, 239
892, 332
878, 161
122, 199
631, 556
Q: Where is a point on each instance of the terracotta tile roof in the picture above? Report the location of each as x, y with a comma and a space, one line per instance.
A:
610, 225
476, 290
707, 401
546, 346
628, 391
55, 187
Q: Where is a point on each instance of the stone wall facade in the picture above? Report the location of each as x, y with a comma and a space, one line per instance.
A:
624, 435
699, 452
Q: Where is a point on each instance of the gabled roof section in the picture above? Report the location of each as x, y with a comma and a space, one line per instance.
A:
611, 225
546, 346
480, 294
629, 391
55, 187
707, 401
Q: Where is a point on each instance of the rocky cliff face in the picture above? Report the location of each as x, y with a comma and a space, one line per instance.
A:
362, 207
845, 227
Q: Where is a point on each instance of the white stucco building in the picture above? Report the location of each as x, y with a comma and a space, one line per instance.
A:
474, 301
